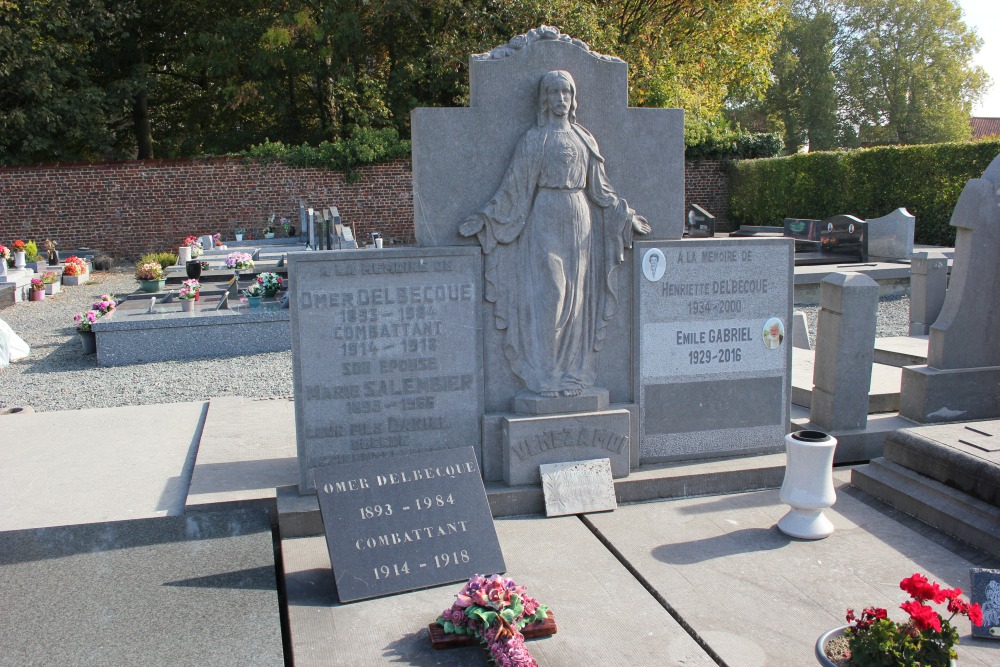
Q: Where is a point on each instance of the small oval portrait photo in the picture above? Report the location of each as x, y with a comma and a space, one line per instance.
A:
774, 333
653, 264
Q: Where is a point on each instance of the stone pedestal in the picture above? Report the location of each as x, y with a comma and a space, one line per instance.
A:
530, 441
928, 284
530, 403
929, 395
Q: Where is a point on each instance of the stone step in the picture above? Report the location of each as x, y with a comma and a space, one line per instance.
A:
963, 456
901, 351
949, 510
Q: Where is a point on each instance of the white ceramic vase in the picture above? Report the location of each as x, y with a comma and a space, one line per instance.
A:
19, 260
183, 255
808, 484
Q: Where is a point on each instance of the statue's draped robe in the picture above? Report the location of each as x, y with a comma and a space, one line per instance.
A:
553, 235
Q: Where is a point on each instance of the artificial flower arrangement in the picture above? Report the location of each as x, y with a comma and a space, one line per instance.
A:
240, 261
4, 252
74, 266
194, 243
19, 245
37, 284
254, 290
50, 277
239, 230
494, 610
271, 282
926, 638
189, 289
98, 309
217, 238
149, 271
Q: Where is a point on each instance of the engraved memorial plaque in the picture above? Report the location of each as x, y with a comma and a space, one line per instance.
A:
578, 487
408, 522
985, 590
387, 359
714, 369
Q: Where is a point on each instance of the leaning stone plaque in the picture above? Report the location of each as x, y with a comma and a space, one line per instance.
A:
985, 590
386, 354
405, 523
578, 487
713, 375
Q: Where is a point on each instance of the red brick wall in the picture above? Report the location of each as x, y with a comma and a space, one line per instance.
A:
706, 184
129, 208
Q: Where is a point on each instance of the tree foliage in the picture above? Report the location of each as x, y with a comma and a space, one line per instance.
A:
86, 79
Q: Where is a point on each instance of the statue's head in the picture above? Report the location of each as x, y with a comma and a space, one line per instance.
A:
551, 85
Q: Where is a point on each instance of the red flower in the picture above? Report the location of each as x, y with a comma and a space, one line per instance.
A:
922, 616
975, 614
920, 589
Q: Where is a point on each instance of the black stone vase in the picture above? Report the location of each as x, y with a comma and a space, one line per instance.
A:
53, 257
193, 269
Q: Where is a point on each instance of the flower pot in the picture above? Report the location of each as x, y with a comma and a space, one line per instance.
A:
239, 237
269, 235
152, 285
19, 260
254, 301
36, 295
269, 292
89, 340
53, 288
839, 632
193, 269
187, 305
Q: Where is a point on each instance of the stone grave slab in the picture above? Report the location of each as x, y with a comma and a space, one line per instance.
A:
386, 353
731, 544
578, 487
406, 523
713, 375
984, 589
891, 236
883, 393
192, 590
560, 562
246, 451
531, 441
126, 473
901, 351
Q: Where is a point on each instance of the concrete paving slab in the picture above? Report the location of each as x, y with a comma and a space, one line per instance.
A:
247, 450
604, 615
901, 350
197, 590
103, 464
759, 598
883, 394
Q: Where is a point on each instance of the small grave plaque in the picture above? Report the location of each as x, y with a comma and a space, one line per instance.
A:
578, 487
405, 523
985, 590
714, 369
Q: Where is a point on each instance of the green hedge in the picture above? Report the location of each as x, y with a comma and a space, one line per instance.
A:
868, 183
728, 145
365, 145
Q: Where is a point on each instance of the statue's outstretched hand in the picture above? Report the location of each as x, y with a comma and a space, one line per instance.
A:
471, 225
640, 225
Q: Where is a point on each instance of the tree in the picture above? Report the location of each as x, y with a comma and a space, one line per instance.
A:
907, 75
804, 92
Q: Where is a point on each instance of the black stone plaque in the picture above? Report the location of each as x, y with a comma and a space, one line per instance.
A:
407, 522
986, 591
698, 223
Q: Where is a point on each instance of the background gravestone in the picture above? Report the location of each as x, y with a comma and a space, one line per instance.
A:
710, 379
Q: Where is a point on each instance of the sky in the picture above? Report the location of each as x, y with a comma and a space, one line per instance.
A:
984, 16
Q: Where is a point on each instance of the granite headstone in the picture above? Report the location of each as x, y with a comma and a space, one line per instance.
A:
714, 370
890, 237
985, 591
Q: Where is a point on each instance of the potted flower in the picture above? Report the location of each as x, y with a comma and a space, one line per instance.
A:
268, 231
194, 243
254, 293
190, 289
4, 257
287, 226
150, 277
239, 261
51, 281
36, 292
239, 232
51, 252
85, 321
19, 246
75, 271
926, 638
270, 282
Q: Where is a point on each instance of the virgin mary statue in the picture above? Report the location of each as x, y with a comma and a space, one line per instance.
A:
553, 234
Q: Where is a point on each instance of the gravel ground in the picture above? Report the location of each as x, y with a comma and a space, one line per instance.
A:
57, 376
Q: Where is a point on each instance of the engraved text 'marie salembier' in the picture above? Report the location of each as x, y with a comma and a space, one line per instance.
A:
596, 438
